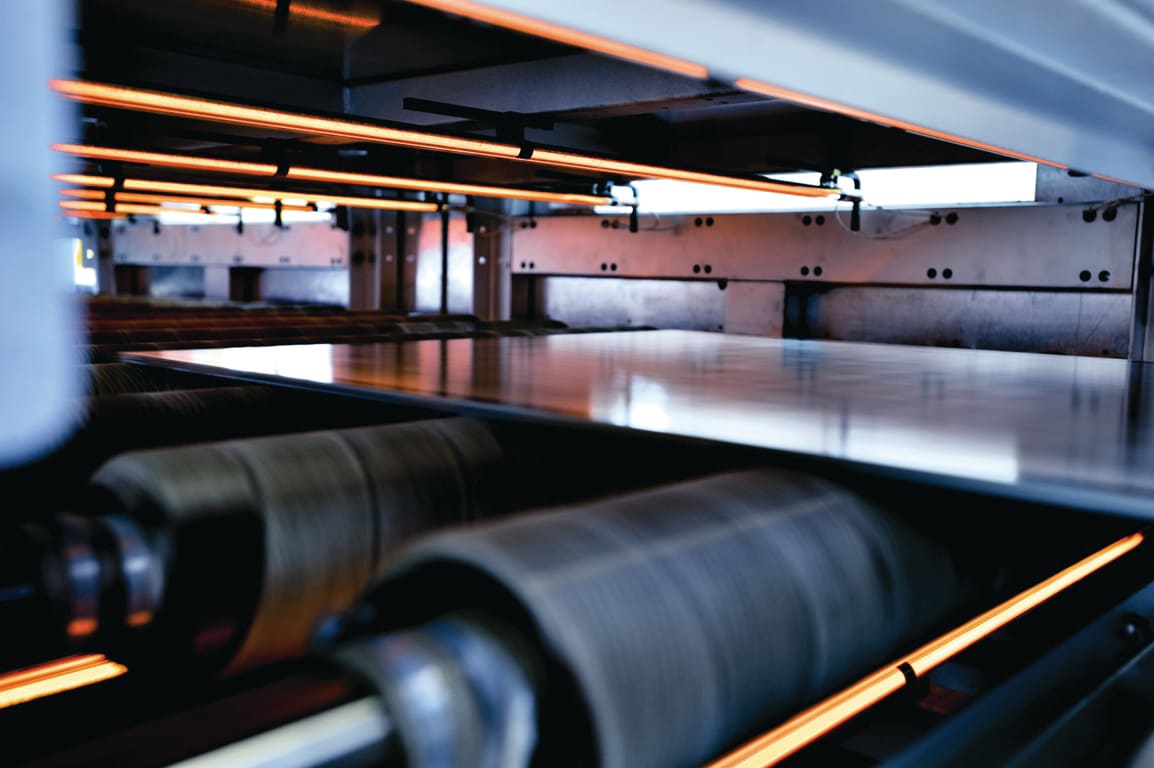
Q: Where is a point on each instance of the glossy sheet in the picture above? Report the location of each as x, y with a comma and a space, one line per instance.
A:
1070, 430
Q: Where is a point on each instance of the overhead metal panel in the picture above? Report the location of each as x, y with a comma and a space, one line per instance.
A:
1069, 82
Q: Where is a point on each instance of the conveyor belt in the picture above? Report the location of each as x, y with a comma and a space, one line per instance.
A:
1076, 432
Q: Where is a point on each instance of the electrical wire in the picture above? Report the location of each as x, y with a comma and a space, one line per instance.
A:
896, 234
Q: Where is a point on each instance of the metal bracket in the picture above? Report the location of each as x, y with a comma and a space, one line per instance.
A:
510, 125
831, 178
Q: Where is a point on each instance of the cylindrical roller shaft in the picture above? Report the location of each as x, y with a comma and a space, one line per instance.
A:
687, 617
113, 424
298, 523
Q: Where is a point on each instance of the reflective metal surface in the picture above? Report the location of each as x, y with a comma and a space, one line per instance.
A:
1069, 430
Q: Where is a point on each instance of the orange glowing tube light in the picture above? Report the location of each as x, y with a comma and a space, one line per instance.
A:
245, 194
560, 34
84, 180
452, 188
819, 720
169, 160
98, 215
236, 114
181, 188
88, 206
203, 109
317, 13
141, 197
316, 174
209, 202
56, 677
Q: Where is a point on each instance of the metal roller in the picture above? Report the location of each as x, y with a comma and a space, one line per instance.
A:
115, 424
684, 618
118, 379
314, 499
232, 554
322, 507
655, 629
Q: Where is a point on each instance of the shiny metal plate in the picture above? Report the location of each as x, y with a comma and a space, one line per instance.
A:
1059, 429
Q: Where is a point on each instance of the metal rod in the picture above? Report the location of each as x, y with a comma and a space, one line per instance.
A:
445, 255
359, 727
807, 727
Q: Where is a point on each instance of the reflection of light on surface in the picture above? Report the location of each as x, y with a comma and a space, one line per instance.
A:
641, 405
318, 13
311, 362
989, 457
56, 677
82, 276
816, 721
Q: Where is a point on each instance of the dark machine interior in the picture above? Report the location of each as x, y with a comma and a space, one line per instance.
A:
463, 451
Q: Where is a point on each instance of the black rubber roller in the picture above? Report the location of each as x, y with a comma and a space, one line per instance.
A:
103, 379
113, 424
690, 617
258, 540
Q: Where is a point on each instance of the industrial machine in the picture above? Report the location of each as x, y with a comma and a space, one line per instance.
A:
501, 383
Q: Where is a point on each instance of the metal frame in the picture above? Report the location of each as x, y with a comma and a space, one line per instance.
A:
39, 380
1007, 247
1069, 83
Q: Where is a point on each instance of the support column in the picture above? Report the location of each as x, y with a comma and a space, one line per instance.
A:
1141, 333
217, 282
364, 261
492, 260
105, 258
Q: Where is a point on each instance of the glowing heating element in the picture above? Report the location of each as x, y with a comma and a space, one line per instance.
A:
315, 174
245, 194
815, 722
207, 202
98, 215
89, 206
235, 114
56, 677
169, 160
84, 180
452, 188
317, 13
560, 34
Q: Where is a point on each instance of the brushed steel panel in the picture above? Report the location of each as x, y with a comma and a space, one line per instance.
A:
1020, 246
1067, 430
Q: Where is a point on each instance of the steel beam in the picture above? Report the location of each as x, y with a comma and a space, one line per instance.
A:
1012, 247
580, 81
